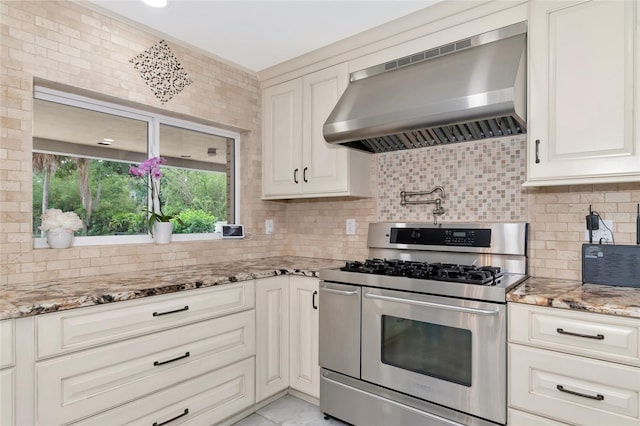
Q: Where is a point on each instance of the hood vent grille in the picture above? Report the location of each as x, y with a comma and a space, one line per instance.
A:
415, 58
463, 132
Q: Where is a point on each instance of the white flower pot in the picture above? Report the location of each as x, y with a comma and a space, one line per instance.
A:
59, 238
162, 232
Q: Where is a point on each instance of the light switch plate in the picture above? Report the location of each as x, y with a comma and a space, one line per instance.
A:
268, 224
351, 227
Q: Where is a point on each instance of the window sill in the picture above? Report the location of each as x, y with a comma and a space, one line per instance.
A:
41, 242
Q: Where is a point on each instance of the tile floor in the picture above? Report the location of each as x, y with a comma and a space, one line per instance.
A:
288, 411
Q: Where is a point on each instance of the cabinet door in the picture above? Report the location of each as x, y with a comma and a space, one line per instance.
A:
272, 333
305, 370
581, 92
282, 139
7, 396
325, 167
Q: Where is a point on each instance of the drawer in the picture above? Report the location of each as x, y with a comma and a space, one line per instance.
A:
7, 396
520, 418
76, 329
84, 383
599, 336
7, 343
205, 400
573, 389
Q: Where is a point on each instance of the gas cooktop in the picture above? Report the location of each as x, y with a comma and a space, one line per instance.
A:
464, 260
469, 274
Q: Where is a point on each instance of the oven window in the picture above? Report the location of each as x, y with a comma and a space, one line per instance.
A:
430, 349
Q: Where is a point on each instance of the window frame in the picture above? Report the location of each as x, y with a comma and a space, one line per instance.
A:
153, 120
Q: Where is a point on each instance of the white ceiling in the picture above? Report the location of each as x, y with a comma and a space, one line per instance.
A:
259, 34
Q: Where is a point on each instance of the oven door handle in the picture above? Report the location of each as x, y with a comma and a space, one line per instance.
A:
432, 305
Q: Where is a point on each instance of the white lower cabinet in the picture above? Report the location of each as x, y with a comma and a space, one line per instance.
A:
190, 361
272, 336
287, 336
304, 371
85, 383
573, 368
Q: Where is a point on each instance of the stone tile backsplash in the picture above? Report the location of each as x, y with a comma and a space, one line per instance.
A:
482, 179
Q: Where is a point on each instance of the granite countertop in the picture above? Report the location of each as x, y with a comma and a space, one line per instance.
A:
21, 300
569, 294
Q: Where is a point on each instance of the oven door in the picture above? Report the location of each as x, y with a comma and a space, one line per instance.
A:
448, 351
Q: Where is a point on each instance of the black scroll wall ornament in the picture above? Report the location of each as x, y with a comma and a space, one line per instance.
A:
161, 71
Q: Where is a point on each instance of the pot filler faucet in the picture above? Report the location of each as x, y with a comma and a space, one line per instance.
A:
438, 210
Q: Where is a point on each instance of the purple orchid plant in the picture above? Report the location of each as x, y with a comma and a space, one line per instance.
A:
151, 167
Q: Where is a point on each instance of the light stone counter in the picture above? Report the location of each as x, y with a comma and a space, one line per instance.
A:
22, 300
568, 294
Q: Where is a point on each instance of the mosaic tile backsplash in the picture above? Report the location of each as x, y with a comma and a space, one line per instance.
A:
483, 181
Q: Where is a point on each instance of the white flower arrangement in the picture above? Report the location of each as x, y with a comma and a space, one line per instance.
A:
55, 218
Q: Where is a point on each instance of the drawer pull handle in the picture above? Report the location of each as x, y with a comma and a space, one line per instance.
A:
157, 314
586, 336
598, 397
184, 413
186, 355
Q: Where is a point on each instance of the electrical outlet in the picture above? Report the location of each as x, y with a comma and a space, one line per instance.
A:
268, 224
604, 232
351, 227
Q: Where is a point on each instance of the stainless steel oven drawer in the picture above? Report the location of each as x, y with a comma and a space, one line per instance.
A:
339, 348
362, 403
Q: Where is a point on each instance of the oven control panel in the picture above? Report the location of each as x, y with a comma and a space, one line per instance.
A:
441, 236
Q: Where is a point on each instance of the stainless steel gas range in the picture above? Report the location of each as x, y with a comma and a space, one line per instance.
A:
417, 333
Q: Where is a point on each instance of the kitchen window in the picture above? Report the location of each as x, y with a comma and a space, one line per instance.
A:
82, 151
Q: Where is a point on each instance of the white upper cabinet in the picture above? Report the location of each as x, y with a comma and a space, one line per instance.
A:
584, 94
282, 133
297, 161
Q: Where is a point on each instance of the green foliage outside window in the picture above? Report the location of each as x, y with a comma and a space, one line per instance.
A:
111, 202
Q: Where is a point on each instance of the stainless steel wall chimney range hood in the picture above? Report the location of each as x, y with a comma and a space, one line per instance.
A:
468, 90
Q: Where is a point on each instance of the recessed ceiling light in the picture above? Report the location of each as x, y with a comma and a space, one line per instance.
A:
185, 156
106, 141
155, 3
